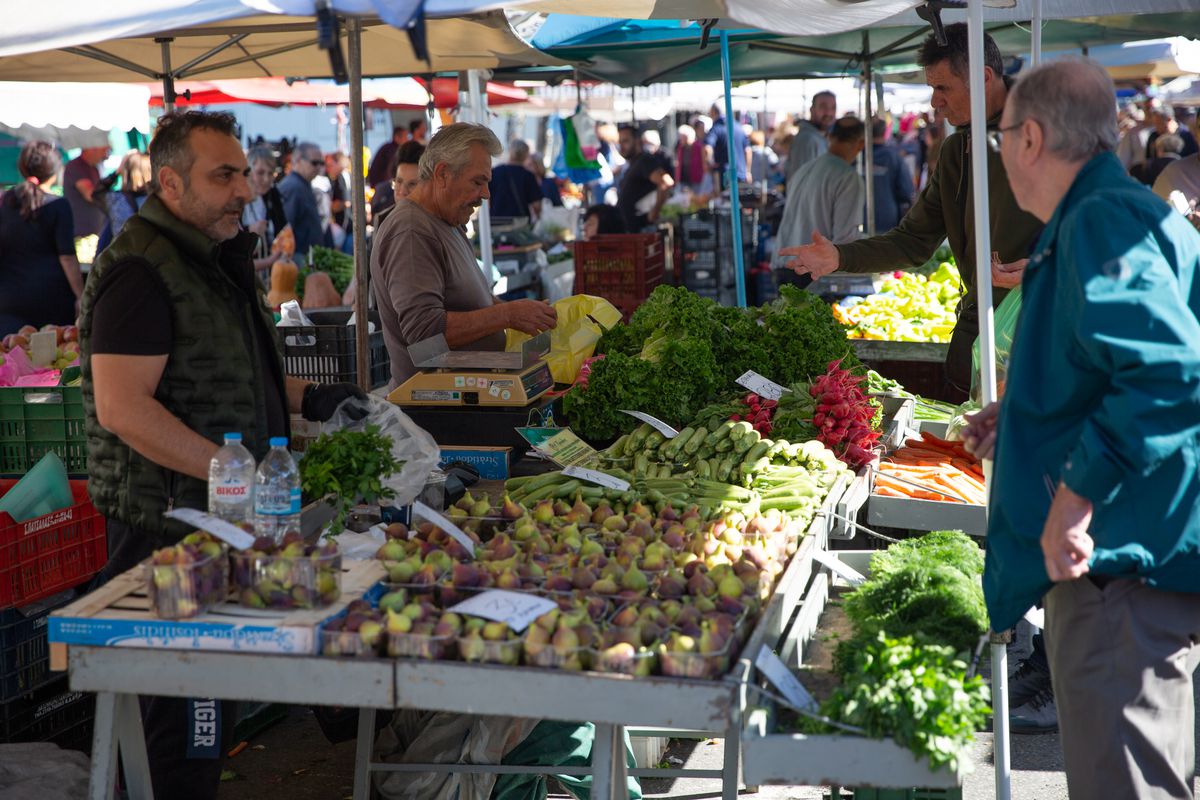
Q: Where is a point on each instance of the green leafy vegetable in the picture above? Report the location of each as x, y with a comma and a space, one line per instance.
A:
351, 465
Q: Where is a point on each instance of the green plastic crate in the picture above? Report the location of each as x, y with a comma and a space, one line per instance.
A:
38, 420
908, 794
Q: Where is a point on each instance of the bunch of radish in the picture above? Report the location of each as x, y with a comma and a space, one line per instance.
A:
844, 414
758, 411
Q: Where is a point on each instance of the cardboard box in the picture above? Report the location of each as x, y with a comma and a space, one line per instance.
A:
492, 462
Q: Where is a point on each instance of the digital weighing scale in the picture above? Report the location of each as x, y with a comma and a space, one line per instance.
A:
475, 378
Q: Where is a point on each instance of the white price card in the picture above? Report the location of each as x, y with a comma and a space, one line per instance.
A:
783, 679
515, 609
227, 532
597, 477
761, 386
658, 425
425, 512
839, 567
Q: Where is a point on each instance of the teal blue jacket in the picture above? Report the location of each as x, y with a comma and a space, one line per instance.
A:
1103, 394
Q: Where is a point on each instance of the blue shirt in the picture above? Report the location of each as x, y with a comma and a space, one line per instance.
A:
1103, 394
300, 208
716, 140
893, 187
513, 188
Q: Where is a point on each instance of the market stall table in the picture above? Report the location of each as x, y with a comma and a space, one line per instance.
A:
119, 673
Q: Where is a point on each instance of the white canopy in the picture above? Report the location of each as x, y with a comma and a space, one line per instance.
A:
73, 114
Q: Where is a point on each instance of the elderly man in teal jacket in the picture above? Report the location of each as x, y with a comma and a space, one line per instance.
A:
1096, 496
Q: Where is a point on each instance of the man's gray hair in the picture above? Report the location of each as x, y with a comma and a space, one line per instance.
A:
306, 149
452, 146
1074, 100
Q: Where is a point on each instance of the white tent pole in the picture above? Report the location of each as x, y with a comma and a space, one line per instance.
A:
483, 221
987, 350
358, 196
735, 201
869, 149
1036, 29
168, 79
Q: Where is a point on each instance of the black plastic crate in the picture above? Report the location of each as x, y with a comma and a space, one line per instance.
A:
327, 351
24, 648
48, 712
703, 279
713, 230
722, 296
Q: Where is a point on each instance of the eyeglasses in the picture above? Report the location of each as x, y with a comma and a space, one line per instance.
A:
995, 137
317, 162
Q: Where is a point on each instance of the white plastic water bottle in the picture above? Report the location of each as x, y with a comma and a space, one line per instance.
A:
277, 492
231, 482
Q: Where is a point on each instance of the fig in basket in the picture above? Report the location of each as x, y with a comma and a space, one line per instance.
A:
187, 579
290, 574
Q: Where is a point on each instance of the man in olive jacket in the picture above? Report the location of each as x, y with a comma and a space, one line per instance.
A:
1095, 499
178, 349
945, 209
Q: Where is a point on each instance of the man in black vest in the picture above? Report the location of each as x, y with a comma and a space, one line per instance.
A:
178, 349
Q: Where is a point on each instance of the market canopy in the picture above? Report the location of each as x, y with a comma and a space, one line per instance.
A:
632, 52
72, 114
211, 43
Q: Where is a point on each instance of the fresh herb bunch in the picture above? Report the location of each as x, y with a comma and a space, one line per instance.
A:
351, 465
697, 349
918, 694
337, 265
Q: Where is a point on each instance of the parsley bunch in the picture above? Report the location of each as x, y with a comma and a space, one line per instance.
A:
351, 465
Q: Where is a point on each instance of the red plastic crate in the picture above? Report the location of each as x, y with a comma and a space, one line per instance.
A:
47, 554
622, 268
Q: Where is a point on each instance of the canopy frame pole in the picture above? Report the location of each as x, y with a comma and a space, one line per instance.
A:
987, 351
735, 201
233, 62
200, 59
168, 80
96, 54
657, 76
869, 148
358, 193
484, 217
1036, 32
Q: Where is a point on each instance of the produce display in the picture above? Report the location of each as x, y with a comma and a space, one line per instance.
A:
337, 265
903, 674
288, 574
187, 579
924, 410
349, 465
680, 352
67, 347
909, 307
641, 587
932, 469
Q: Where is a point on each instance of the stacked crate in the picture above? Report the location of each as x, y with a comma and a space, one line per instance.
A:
709, 255
621, 268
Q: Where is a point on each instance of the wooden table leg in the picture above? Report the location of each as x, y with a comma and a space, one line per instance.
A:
603, 767
104, 748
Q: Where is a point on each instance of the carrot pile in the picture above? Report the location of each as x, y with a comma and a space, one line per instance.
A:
945, 469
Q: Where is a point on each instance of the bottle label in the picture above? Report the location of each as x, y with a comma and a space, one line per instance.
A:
277, 504
232, 490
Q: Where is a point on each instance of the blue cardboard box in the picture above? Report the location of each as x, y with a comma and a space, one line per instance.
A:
492, 462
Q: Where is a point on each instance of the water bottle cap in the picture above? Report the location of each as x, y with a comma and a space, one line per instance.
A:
279, 441
233, 437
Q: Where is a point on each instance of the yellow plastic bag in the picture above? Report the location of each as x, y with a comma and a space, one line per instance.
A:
582, 319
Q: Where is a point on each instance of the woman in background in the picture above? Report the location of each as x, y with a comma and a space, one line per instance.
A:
134, 173
40, 281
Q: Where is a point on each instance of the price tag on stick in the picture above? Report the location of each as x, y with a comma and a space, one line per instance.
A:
227, 532
425, 512
783, 679
658, 425
517, 610
598, 478
761, 386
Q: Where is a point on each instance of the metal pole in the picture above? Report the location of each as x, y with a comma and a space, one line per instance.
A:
735, 202
168, 79
633, 105
987, 350
869, 150
358, 195
484, 218
1036, 29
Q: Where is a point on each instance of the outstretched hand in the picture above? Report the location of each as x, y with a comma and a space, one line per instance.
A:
817, 259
